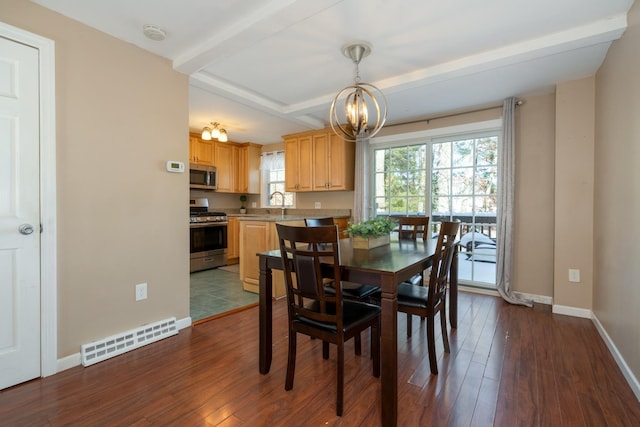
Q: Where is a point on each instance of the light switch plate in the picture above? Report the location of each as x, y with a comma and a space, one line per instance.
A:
574, 275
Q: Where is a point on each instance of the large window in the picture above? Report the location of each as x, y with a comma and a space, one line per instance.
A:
447, 178
272, 166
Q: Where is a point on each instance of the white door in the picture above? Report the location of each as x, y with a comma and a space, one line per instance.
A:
19, 214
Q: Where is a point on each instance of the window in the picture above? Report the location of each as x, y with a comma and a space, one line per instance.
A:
272, 166
447, 178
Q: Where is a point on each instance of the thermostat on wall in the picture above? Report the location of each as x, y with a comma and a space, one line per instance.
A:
173, 166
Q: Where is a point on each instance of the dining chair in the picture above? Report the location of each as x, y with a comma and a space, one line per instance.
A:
410, 227
350, 290
427, 301
311, 309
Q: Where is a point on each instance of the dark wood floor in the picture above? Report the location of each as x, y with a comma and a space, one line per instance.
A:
508, 366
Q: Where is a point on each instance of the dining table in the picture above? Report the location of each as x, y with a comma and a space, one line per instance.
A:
385, 266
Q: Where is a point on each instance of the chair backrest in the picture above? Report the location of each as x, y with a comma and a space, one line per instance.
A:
442, 259
410, 226
306, 248
316, 222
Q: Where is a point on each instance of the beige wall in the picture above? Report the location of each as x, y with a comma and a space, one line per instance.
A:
616, 292
534, 196
573, 249
121, 114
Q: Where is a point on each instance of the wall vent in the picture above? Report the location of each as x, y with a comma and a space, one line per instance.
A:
103, 349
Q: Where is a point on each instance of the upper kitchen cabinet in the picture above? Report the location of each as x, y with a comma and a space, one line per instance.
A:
249, 169
298, 162
318, 161
333, 162
237, 164
226, 163
200, 151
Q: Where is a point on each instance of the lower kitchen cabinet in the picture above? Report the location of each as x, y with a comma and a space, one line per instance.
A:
233, 240
259, 236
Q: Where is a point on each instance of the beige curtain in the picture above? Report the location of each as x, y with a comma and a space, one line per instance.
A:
506, 204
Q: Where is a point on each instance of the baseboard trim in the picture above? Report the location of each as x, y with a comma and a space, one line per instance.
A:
622, 364
75, 359
572, 311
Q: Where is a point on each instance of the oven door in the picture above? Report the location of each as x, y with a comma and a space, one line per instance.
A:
208, 245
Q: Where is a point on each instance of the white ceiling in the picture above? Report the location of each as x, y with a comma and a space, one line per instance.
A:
265, 68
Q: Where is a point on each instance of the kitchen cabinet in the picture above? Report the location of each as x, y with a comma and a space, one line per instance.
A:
200, 151
259, 236
233, 240
248, 179
318, 161
226, 161
333, 162
298, 163
237, 165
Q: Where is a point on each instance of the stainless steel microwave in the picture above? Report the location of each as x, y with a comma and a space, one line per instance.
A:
203, 177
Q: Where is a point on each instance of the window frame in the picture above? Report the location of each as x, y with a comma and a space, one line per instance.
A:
265, 182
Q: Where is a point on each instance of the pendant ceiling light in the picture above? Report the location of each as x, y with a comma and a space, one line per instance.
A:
361, 102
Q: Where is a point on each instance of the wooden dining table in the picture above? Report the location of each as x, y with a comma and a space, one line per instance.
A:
385, 266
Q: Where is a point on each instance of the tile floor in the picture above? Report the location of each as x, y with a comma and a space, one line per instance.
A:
216, 291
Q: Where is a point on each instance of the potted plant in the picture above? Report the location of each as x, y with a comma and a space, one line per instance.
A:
371, 233
243, 208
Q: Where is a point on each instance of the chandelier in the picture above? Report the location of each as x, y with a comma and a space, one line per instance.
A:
214, 132
360, 100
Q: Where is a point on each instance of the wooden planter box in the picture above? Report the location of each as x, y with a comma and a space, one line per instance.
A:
359, 242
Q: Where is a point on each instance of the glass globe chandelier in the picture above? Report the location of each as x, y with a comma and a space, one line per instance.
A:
360, 100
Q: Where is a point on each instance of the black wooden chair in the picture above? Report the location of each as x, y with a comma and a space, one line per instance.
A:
350, 291
412, 227
427, 301
314, 254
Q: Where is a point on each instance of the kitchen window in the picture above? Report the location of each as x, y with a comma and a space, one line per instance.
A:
272, 167
451, 177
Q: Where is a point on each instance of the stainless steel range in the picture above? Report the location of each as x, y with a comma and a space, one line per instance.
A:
208, 236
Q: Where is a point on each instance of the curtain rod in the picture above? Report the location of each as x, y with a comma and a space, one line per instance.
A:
519, 102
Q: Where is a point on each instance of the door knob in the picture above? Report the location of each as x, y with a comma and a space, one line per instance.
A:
25, 229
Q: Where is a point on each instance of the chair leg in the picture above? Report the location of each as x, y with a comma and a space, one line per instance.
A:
291, 361
409, 324
325, 350
431, 344
445, 337
357, 343
375, 348
340, 379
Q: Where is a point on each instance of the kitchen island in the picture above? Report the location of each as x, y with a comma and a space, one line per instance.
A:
258, 234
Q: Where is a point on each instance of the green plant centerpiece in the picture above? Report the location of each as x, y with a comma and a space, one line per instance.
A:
243, 208
371, 233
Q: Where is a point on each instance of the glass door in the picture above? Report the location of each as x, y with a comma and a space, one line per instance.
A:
464, 186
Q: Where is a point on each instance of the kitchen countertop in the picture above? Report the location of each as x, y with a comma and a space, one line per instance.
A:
273, 214
279, 218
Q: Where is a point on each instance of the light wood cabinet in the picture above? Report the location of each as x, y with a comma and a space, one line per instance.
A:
248, 177
318, 161
298, 163
333, 162
226, 161
200, 151
233, 240
258, 236
237, 165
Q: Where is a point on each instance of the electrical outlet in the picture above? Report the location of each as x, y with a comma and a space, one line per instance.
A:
574, 275
141, 291
253, 204
318, 205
